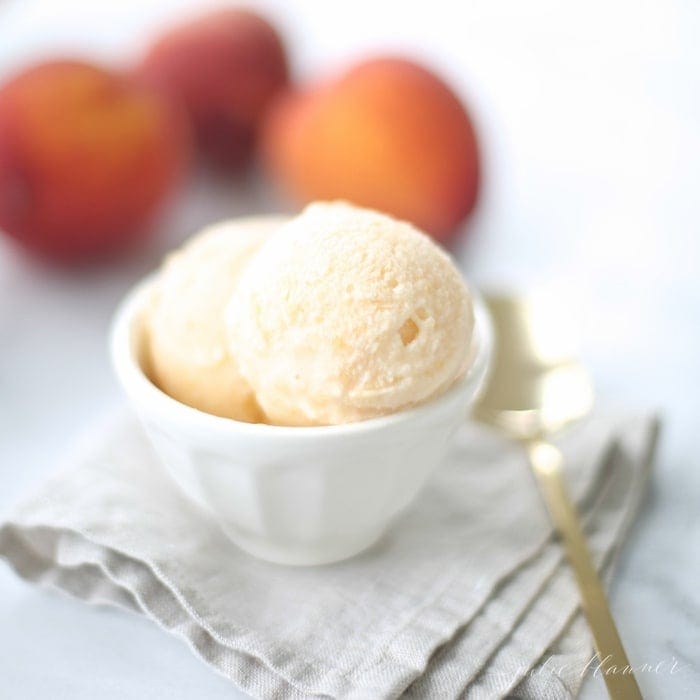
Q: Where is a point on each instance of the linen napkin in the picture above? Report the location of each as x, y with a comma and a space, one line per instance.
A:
466, 596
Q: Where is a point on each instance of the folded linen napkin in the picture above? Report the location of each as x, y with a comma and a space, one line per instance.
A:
466, 596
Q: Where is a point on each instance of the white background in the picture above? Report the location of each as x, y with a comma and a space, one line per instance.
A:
589, 117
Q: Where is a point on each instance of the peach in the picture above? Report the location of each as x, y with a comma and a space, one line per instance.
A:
87, 157
388, 134
226, 67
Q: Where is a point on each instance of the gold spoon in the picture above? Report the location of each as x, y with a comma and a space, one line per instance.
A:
537, 387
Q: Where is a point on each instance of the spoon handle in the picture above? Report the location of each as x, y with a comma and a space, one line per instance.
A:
617, 672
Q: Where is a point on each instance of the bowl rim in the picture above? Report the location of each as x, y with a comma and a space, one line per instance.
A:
140, 389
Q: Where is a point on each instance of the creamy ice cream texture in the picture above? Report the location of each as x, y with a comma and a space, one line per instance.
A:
346, 314
187, 348
337, 315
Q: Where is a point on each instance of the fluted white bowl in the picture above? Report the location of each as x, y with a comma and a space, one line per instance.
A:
295, 495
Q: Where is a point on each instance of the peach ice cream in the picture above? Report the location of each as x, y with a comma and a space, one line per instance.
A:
346, 314
187, 349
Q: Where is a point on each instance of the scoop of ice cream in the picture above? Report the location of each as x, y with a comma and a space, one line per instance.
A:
188, 356
346, 314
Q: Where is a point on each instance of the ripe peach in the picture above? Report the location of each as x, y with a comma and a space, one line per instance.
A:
86, 158
225, 67
388, 134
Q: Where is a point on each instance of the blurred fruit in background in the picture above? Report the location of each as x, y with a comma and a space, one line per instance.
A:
387, 134
87, 156
226, 67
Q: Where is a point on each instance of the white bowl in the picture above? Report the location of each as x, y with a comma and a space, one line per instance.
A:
295, 495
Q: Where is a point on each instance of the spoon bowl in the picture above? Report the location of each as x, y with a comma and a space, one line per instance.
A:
537, 386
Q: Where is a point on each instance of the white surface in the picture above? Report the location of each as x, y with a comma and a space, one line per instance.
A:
290, 495
588, 116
